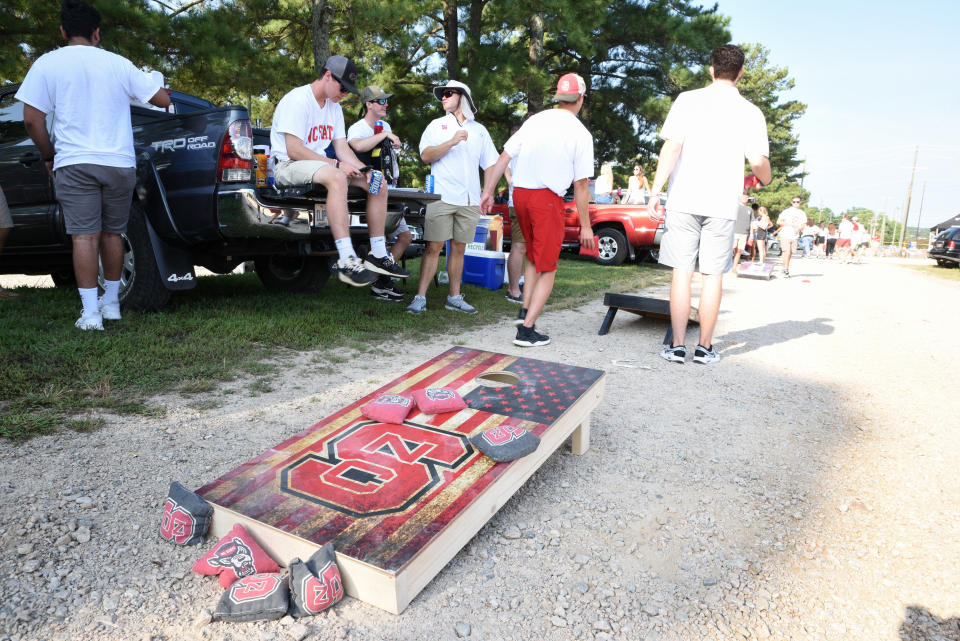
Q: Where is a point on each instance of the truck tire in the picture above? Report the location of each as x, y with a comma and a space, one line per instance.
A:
612, 245
652, 255
64, 277
293, 273
141, 284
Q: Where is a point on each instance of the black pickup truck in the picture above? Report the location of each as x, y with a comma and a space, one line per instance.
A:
196, 203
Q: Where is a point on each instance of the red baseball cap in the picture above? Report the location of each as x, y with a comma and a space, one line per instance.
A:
570, 87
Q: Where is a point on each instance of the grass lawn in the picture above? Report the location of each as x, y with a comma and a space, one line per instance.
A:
57, 376
950, 273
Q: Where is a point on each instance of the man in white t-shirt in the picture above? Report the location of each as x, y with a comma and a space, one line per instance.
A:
707, 135
845, 242
546, 164
791, 222
367, 138
306, 121
456, 147
88, 91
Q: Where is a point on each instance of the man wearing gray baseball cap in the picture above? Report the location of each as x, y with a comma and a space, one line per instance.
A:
307, 120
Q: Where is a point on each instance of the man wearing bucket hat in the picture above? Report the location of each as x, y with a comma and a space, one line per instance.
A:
454, 146
366, 137
308, 120
546, 164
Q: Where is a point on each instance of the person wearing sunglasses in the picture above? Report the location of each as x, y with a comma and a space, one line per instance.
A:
367, 138
307, 120
456, 147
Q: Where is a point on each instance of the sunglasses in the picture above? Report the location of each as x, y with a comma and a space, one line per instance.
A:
450, 92
340, 82
380, 101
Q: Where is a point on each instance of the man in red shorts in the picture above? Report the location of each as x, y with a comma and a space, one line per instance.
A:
552, 149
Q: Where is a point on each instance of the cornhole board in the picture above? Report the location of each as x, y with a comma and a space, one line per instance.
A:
399, 501
642, 306
761, 271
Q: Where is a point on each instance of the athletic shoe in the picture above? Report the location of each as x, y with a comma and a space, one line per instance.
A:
93, 321
786, 273
676, 354
283, 220
705, 355
521, 316
386, 289
386, 266
530, 337
457, 304
109, 311
352, 272
418, 305
514, 299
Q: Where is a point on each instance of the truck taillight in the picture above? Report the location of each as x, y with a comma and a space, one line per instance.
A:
236, 153
951, 246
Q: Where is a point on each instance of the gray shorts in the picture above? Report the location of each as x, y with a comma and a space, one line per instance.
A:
6, 220
688, 239
95, 198
445, 221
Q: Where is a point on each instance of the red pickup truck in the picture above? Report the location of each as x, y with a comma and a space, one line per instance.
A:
624, 231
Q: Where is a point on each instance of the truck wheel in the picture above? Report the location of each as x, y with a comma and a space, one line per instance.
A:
653, 255
293, 273
141, 284
64, 277
612, 246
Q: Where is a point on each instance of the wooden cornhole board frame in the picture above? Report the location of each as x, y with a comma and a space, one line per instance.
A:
399, 501
642, 306
760, 271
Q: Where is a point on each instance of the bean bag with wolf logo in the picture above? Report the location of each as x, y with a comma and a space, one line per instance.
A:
388, 408
506, 442
316, 584
437, 400
186, 516
235, 556
258, 597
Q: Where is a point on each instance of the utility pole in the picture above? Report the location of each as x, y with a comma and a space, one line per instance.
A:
883, 225
906, 208
923, 193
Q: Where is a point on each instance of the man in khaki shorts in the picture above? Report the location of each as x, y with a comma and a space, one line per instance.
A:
454, 146
6, 224
307, 120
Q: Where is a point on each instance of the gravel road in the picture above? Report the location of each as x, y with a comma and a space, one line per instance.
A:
801, 488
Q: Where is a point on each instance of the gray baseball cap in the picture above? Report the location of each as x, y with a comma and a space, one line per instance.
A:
373, 92
343, 69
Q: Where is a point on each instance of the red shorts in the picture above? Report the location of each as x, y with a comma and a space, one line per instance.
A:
843, 242
540, 214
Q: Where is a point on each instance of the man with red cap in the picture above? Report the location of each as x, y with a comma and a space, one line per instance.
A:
546, 164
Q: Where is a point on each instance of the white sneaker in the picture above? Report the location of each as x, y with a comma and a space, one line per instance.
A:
93, 321
109, 311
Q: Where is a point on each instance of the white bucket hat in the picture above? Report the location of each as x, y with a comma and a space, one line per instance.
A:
469, 109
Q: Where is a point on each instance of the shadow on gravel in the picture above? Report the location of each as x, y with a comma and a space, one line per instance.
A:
919, 624
747, 340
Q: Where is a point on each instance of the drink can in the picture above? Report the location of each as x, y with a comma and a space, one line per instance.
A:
378, 127
376, 179
429, 183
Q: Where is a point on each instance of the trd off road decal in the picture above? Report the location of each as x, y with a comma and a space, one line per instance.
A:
375, 468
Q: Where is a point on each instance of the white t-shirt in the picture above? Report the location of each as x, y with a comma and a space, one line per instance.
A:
717, 129
552, 149
361, 129
845, 228
791, 221
88, 91
809, 230
456, 175
298, 113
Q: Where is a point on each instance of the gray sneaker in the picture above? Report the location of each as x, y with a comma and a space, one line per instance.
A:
457, 304
418, 305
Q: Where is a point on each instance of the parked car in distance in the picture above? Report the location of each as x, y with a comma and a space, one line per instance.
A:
623, 231
945, 248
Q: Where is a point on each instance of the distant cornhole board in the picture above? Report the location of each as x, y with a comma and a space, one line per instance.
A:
642, 306
399, 501
761, 271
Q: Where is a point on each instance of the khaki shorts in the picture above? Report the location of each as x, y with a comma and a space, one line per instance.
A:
445, 221
298, 172
789, 244
689, 240
516, 231
95, 198
6, 220
740, 241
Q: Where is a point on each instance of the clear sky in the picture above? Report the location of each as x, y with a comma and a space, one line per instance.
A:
879, 78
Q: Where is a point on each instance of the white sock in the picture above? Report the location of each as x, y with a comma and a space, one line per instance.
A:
345, 248
378, 246
89, 298
111, 291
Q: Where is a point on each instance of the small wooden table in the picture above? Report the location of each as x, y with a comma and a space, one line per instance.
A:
399, 501
642, 306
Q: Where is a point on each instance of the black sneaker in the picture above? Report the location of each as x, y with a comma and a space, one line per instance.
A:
676, 354
705, 355
386, 289
530, 337
521, 316
386, 266
352, 272
515, 299
786, 273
